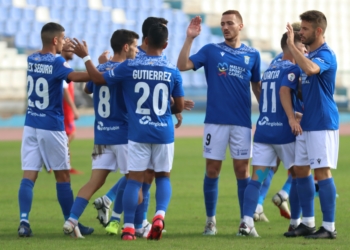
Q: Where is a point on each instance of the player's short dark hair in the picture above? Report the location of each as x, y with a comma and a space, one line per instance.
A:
234, 12
317, 18
49, 31
122, 37
284, 38
157, 36
149, 21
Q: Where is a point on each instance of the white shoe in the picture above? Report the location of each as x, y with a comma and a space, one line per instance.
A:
210, 228
147, 228
245, 230
102, 211
260, 217
70, 229
282, 204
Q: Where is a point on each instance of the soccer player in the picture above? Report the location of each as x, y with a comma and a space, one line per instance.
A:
110, 129
70, 111
275, 129
318, 149
148, 83
142, 226
44, 140
230, 68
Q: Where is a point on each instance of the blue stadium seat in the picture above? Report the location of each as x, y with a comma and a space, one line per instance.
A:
15, 14
156, 4
10, 28
55, 14
104, 28
77, 29
2, 28
93, 16
168, 14
45, 3
105, 17
28, 14
107, 3
21, 40
69, 4
23, 27
36, 27
82, 4
130, 14
34, 41
67, 16
79, 15
32, 2
57, 3
132, 4
3, 14
119, 4
116, 26
5, 3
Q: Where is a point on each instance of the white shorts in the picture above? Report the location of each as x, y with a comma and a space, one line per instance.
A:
217, 136
265, 155
318, 149
44, 147
110, 157
158, 157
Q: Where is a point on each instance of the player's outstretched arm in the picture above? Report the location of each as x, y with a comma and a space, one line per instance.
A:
193, 30
178, 105
286, 100
310, 68
70, 102
81, 50
189, 104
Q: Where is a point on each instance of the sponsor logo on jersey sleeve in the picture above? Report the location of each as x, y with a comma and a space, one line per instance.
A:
291, 77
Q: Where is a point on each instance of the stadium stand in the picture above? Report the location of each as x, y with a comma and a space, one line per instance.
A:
93, 21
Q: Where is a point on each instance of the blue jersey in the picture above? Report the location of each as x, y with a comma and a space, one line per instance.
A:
228, 72
277, 58
320, 109
272, 126
111, 121
148, 83
45, 76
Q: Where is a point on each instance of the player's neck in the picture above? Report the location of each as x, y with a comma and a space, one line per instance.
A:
119, 58
154, 52
46, 50
315, 45
234, 43
288, 56
143, 46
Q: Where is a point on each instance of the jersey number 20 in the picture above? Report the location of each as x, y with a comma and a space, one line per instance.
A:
146, 92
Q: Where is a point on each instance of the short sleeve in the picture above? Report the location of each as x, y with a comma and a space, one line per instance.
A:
323, 59
291, 78
178, 89
256, 73
65, 84
90, 86
62, 68
116, 75
200, 58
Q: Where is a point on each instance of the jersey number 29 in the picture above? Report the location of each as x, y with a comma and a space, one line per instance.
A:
41, 89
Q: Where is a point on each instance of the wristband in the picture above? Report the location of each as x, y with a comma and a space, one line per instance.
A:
86, 58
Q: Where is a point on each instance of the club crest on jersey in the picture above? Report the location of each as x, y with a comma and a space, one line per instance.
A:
291, 77
222, 53
246, 59
222, 67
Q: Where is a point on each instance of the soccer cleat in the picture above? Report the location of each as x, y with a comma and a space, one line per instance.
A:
85, 230
291, 228
72, 230
245, 230
102, 211
144, 232
210, 228
128, 234
301, 230
157, 227
24, 230
322, 233
112, 227
282, 204
260, 217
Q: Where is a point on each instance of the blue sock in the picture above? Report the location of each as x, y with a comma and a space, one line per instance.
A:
25, 198
327, 193
130, 200
65, 197
287, 184
306, 192
112, 193
265, 187
78, 207
241, 186
295, 209
251, 197
118, 204
163, 193
139, 215
211, 190
145, 202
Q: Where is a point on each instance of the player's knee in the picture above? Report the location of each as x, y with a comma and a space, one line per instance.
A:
302, 171
323, 173
62, 176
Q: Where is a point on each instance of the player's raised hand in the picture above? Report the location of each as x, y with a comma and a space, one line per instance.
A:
103, 58
68, 46
194, 29
80, 49
189, 104
290, 34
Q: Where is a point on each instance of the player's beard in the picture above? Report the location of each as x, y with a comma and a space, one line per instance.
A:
310, 40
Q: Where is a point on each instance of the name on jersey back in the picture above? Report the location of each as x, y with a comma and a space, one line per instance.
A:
152, 75
40, 68
268, 75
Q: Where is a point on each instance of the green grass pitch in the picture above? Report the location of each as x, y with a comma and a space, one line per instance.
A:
185, 217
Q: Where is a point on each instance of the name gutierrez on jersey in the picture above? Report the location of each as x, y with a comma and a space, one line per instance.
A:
271, 75
40, 68
152, 75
